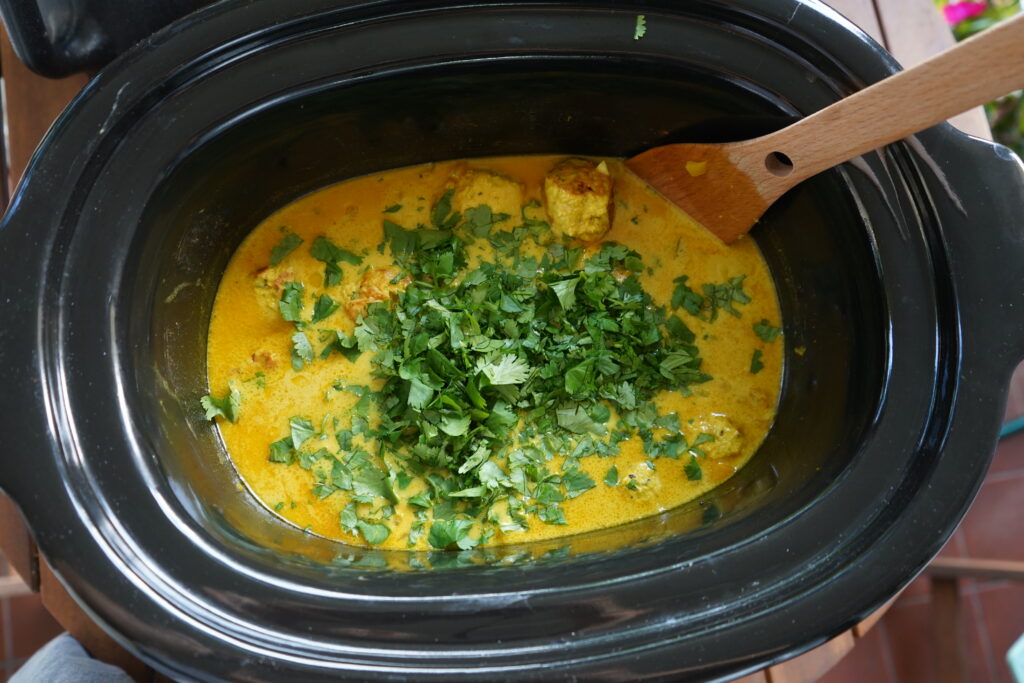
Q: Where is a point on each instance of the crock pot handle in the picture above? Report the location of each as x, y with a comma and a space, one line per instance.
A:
986, 248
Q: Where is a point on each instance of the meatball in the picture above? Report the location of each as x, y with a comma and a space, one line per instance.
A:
376, 284
579, 195
728, 440
642, 480
474, 187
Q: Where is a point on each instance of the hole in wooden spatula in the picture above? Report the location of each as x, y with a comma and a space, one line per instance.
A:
778, 164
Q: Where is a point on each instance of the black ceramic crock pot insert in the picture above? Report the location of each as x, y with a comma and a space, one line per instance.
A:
898, 274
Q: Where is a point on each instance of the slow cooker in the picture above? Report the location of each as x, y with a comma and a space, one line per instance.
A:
899, 278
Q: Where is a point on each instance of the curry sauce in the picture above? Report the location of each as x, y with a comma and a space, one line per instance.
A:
428, 357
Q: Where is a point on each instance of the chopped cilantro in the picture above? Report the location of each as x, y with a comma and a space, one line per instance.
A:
641, 27
441, 215
693, 470
282, 451
686, 298
494, 382
448, 532
226, 407
302, 351
766, 331
324, 307
349, 518
481, 220
289, 243
375, 533
394, 208
577, 482
717, 297
565, 290
756, 364
301, 430
331, 254
723, 296
337, 342
506, 369
290, 304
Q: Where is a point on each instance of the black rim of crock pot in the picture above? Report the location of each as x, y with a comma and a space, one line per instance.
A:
103, 565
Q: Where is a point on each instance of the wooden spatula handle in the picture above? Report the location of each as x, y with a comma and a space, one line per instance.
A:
980, 69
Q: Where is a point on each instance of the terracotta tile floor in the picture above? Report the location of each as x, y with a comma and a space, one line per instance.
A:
897, 650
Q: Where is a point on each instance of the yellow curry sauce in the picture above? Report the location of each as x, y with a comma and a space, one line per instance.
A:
690, 441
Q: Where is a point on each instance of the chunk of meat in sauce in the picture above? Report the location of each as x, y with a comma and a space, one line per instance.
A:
641, 481
477, 187
265, 359
578, 194
728, 440
270, 282
376, 284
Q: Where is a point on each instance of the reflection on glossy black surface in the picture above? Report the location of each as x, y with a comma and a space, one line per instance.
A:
60, 37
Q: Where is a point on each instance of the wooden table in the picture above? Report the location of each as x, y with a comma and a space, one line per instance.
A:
911, 29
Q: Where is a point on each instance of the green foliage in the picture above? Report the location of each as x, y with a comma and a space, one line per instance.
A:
1006, 114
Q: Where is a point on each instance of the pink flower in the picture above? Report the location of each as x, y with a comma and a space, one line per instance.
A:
959, 11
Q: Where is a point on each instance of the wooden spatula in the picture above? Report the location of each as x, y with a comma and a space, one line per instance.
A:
726, 187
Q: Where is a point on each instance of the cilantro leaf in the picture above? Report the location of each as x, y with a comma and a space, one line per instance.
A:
345, 345
370, 482
331, 254
679, 331
226, 407
578, 378
756, 364
402, 242
324, 307
766, 331
612, 478
375, 533
289, 243
302, 351
281, 451
301, 430
723, 296
420, 500
447, 532
349, 518
290, 304
327, 251
693, 470
455, 425
506, 369
565, 290
394, 208
577, 482
441, 215
481, 220
575, 419
641, 27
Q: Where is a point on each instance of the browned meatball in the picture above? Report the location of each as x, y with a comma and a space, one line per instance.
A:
579, 194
